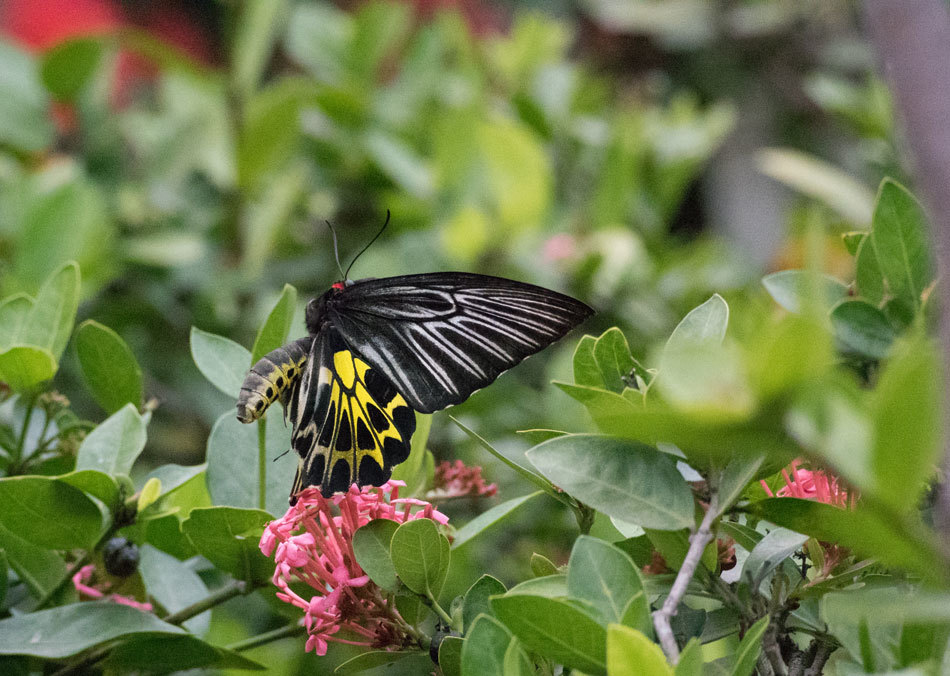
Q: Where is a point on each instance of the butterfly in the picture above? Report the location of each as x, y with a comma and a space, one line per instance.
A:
379, 350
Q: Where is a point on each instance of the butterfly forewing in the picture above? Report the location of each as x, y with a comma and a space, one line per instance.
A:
350, 423
439, 337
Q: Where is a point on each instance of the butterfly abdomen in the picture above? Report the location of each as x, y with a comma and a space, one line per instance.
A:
272, 378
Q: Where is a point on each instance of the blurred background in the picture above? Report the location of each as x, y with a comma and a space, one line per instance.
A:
639, 155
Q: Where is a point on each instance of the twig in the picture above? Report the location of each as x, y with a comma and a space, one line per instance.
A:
822, 654
226, 593
771, 649
697, 543
912, 40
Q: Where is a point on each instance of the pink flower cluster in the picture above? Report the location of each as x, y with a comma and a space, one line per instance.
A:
455, 480
82, 580
314, 545
812, 485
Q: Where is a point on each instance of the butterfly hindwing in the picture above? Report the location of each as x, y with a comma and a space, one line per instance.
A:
440, 336
350, 423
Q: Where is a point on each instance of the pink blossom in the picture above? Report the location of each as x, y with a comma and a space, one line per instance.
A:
455, 480
313, 544
559, 247
812, 485
82, 580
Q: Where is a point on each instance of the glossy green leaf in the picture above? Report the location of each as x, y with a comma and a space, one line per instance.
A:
604, 576
273, 333
49, 513
555, 629
222, 361
853, 240
618, 477
13, 313
371, 544
232, 454
868, 278
50, 320
749, 648
450, 656
420, 554
485, 646
166, 654
109, 367
68, 630
738, 474
24, 105
115, 444
486, 520
862, 329
631, 653
899, 236
69, 66
790, 289
476, 601
39, 568
769, 553
706, 323
906, 414
174, 585
24, 367
228, 537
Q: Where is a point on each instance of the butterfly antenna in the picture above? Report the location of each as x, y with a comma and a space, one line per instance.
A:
336, 249
367, 246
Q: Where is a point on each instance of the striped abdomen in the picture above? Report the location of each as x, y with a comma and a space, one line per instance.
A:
272, 378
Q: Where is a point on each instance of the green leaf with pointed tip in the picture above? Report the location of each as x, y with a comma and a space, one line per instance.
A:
273, 333
115, 444
614, 361
109, 367
868, 278
23, 367
604, 576
228, 537
549, 586
556, 629
706, 323
768, 554
98, 484
618, 477
542, 565
49, 513
222, 361
420, 554
486, 520
586, 371
862, 329
371, 544
50, 320
631, 653
852, 240
749, 648
790, 289
13, 314
476, 601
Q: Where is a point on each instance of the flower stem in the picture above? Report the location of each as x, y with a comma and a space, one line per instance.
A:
268, 637
262, 463
226, 593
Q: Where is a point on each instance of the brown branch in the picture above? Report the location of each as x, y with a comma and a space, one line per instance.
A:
912, 40
697, 543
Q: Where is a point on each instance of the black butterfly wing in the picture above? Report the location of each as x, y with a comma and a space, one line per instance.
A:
350, 423
438, 337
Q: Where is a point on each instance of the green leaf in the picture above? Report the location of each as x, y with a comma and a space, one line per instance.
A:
485, 646
50, 320
868, 278
318, 37
115, 444
24, 367
906, 413
735, 477
899, 236
749, 648
618, 477
450, 656
232, 455
69, 66
375, 658
4, 577
24, 105
165, 654
371, 544
791, 289
862, 329
39, 568
100, 485
691, 659
706, 380
68, 630
476, 601
13, 313
273, 333
586, 370
516, 662
486, 520
272, 131
222, 361
556, 629
631, 653
228, 537
853, 240
109, 367
604, 576
613, 358
704, 324
902, 543
769, 553
49, 513
887, 605
793, 350
256, 29
400, 163
421, 555
415, 470
542, 565
174, 476
174, 585
549, 586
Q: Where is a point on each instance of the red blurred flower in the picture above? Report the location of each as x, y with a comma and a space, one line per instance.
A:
456, 480
812, 485
314, 545
83, 582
